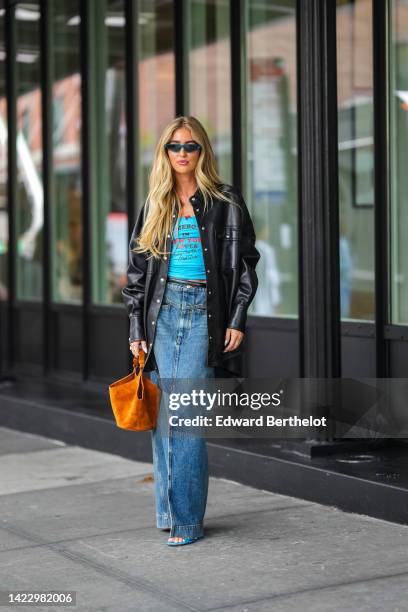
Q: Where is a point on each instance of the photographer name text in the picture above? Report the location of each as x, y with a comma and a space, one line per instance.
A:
259, 421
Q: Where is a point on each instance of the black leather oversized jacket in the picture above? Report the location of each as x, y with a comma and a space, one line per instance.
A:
230, 258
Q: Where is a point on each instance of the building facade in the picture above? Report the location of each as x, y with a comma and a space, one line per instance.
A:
306, 105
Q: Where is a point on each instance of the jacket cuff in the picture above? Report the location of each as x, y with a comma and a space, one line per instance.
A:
238, 317
136, 331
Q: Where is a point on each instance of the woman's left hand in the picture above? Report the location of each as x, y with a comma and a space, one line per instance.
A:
233, 338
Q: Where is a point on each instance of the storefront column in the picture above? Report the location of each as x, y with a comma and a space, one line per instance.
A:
319, 307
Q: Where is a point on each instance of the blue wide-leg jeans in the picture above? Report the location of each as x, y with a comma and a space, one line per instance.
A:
180, 462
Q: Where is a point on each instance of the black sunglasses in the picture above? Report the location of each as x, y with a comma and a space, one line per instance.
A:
189, 147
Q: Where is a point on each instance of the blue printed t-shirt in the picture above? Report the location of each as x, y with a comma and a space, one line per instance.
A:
186, 259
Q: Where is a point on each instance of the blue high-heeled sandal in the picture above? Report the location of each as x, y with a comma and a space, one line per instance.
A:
183, 541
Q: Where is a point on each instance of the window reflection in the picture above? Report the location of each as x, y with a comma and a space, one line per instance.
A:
156, 80
29, 210
398, 96
270, 165
356, 158
67, 187
4, 234
209, 74
108, 133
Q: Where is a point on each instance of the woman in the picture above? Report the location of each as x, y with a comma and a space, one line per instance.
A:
191, 279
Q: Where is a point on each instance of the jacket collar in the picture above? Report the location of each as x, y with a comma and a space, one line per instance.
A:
198, 195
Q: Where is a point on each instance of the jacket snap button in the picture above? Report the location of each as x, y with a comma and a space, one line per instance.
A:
158, 300
209, 292
162, 279
208, 271
210, 337
152, 322
209, 315
202, 227
205, 249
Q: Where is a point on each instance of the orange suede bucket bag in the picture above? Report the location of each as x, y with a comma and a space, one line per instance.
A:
135, 399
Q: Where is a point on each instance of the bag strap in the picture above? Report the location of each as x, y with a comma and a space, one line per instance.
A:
139, 360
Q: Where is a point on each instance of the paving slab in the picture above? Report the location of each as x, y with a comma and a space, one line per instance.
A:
75, 519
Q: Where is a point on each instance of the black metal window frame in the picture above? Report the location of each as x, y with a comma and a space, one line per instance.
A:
10, 40
383, 331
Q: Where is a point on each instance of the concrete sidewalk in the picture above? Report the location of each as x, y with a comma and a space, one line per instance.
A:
81, 520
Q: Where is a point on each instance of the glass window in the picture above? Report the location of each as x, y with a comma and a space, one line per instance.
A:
398, 104
66, 200
29, 209
356, 158
3, 165
57, 119
209, 74
108, 150
156, 107
156, 80
270, 170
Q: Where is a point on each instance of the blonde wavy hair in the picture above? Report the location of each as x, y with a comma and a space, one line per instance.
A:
162, 201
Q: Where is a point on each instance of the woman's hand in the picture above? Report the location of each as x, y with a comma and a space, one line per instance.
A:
136, 345
233, 338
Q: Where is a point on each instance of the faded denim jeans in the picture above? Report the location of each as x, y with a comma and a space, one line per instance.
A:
180, 462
